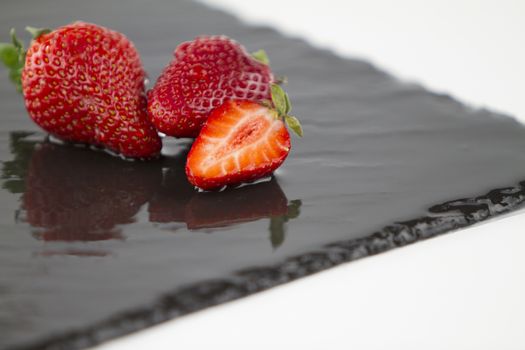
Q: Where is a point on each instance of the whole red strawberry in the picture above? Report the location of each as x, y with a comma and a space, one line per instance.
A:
85, 84
204, 73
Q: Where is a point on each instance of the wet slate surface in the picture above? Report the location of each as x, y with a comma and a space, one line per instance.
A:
92, 247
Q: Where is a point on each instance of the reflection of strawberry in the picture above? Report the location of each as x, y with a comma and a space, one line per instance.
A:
278, 223
14, 171
176, 201
169, 202
204, 73
85, 84
75, 252
249, 203
77, 195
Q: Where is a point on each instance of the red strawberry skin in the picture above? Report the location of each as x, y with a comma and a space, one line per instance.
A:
204, 73
85, 84
242, 141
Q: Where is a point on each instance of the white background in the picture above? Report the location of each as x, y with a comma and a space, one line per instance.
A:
459, 291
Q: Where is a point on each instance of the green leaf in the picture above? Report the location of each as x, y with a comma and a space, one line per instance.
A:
36, 32
261, 56
293, 123
278, 99
9, 55
12, 55
16, 77
288, 104
17, 43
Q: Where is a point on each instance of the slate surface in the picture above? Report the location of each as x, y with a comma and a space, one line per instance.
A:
92, 247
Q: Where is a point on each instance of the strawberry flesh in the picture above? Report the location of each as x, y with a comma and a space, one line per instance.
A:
242, 141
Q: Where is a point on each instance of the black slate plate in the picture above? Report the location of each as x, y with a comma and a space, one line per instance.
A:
92, 247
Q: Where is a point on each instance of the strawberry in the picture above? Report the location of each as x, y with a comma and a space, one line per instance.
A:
204, 73
84, 84
241, 142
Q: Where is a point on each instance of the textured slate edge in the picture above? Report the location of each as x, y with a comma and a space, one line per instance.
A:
441, 218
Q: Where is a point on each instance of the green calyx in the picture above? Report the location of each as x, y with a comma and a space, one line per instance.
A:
261, 56
13, 54
283, 107
37, 32
280, 100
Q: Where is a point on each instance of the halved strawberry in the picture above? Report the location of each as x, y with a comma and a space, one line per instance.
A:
242, 141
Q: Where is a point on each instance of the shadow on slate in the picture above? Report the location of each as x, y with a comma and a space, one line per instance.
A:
93, 247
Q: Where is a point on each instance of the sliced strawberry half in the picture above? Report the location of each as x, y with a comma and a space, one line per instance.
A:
242, 141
